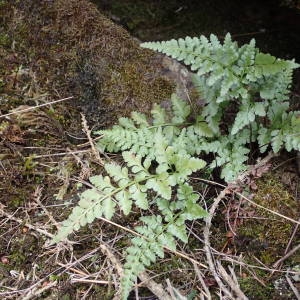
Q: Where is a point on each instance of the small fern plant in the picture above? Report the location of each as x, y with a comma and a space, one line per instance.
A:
231, 78
160, 153
158, 160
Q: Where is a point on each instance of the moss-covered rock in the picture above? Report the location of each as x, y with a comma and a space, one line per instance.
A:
71, 49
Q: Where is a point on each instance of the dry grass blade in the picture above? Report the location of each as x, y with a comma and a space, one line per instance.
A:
88, 134
35, 107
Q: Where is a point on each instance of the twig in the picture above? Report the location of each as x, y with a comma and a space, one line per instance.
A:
291, 252
206, 234
232, 260
37, 197
88, 134
57, 154
35, 107
82, 280
233, 285
291, 238
11, 217
170, 289
294, 289
72, 269
107, 251
156, 288
200, 277
36, 292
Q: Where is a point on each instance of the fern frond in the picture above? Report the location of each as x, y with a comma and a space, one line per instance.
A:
180, 109
247, 115
94, 203
157, 234
225, 73
145, 250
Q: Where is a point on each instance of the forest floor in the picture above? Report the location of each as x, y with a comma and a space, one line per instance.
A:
50, 68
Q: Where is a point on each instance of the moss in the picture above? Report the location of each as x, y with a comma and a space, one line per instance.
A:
73, 49
265, 234
16, 201
125, 90
29, 164
254, 290
4, 40
18, 258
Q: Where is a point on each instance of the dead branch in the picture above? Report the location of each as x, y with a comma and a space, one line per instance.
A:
35, 228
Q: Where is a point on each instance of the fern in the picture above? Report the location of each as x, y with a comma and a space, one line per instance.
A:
159, 232
140, 137
258, 84
162, 150
226, 73
139, 181
284, 132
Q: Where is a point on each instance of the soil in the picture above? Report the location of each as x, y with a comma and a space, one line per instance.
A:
57, 49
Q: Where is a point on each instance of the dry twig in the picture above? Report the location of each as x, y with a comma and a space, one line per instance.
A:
200, 277
38, 291
291, 252
206, 232
35, 228
88, 134
35, 107
294, 289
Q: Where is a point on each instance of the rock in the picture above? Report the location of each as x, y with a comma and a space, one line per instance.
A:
71, 49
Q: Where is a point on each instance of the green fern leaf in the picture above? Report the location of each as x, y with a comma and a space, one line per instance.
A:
135, 162
194, 211
124, 201
186, 165
140, 197
119, 174
179, 231
263, 139
108, 207
201, 128
126, 123
181, 110
159, 115
140, 119
160, 185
